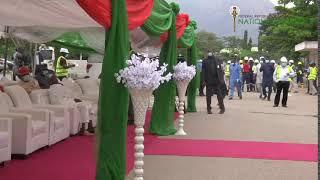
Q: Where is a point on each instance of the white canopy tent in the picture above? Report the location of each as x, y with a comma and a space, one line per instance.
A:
41, 21
45, 13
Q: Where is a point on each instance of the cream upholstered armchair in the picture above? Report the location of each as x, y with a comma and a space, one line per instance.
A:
41, 97
5, 139
89, 97
59, 119
30, 128
89, 87
6, 82
85, 93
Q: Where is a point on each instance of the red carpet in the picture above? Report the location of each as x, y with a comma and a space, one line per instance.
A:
234, 149
72, 159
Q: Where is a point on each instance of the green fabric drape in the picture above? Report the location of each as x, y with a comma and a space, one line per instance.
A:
113, 101
162, 121
74, 41
188, 37
160, 20
188, 41
195, 82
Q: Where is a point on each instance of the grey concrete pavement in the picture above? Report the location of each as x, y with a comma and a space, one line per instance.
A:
197, 168
252, 119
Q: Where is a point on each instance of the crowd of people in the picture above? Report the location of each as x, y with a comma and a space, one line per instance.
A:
261, 76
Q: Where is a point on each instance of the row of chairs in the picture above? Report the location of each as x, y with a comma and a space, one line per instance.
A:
30, 122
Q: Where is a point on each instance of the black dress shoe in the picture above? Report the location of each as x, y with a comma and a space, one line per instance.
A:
285, 106
230, 98
222, 111
209, 112
240, 97
275, 105
269, 99
90, 127
82, 129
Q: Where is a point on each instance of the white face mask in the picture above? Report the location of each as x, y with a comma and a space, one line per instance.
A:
26, 78
283, 64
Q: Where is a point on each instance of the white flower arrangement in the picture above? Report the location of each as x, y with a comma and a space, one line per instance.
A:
183, 72
143, 74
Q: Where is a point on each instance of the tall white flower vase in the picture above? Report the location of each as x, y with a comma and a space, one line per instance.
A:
140, 100
182, 88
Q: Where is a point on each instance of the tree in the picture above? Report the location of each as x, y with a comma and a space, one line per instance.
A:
250, 44
232, 42
208, 42
281, 31
245, 40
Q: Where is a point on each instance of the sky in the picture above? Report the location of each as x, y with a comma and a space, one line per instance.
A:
275, 2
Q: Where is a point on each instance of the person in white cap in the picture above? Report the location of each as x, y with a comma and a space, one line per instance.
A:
214, 81
61, 66
274, 85
259, 75
293, 80
281, 76
227, 74
246, 74
254, 71
199, 67
251, 75
267, 80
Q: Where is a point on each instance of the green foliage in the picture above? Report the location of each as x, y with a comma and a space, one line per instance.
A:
232, 42
11, 48
281, 31
208, 42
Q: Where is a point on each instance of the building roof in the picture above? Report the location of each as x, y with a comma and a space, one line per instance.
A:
307, 46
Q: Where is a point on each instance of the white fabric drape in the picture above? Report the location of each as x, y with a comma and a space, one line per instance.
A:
94, 37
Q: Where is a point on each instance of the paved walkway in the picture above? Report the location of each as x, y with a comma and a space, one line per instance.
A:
250, 119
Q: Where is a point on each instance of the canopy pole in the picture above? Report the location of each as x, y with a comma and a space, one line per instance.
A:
34, 58
6, 30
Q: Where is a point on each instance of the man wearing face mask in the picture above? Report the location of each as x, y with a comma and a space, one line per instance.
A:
235, 79
61, 66
27, 82
267, 81
259, 79
312, 79
281, 76
214, 81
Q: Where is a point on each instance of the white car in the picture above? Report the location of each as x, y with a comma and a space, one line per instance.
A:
9, 65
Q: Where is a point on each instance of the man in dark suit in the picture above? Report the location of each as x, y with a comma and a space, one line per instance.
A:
267, 80
214, 81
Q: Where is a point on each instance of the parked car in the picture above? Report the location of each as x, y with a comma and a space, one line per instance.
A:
9, 65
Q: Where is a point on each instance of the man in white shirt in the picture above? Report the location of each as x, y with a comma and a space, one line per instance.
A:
61, 95
281, 76
259, 75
